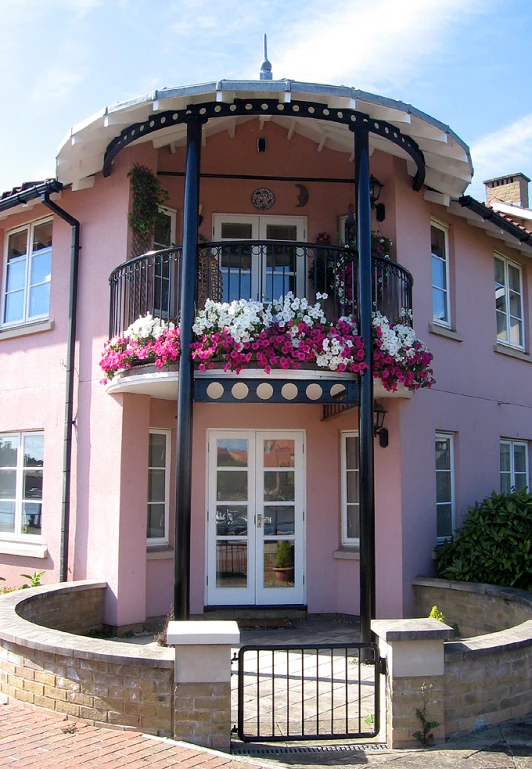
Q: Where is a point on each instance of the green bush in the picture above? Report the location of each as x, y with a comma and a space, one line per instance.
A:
494, 545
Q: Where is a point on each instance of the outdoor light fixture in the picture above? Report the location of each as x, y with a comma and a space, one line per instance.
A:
379, 412
375, 187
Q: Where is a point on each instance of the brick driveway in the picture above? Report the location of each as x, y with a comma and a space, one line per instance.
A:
31, 737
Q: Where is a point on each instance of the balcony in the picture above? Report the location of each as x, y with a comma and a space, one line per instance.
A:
260, 270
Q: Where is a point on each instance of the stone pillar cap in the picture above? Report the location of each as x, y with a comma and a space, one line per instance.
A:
199, 632
411, 629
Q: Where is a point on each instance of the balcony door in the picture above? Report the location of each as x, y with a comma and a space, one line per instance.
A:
255, 518
261, 272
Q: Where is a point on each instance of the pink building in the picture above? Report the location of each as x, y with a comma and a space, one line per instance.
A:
88, 471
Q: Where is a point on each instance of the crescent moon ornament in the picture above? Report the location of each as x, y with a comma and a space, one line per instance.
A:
303, 196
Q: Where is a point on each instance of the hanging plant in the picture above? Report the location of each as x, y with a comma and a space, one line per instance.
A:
148, 197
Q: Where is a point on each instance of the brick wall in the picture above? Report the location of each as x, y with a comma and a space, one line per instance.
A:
488, 678
104, 682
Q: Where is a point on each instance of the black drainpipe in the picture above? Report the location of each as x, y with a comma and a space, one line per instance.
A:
69, 400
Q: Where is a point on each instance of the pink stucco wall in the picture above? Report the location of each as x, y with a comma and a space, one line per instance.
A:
480, 394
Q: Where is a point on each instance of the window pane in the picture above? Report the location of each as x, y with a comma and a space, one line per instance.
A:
445, 520
237, 258
439, 308
162, 231
520, 458
157, 450
32, 484
353, 529
352, 486
33, 450
443, 487
232, 563
8, 452
8, 484
236, 231
232, 452
232, 486
515, 305
281, 259
156, 521
279, 453
7, 517
506, 483
521, 481
516, 331
31, 518
17, 244
514, 279
281, 232
156, 486
39, 300
443, 454
14, 309
438, 273
437, 238
16, 275
505, 458
501, 326
278, 565
40, 268
42, 236
499, 272
279, 486
231, 520
351, 450
279, 520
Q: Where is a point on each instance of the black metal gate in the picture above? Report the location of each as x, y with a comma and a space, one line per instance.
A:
308, 692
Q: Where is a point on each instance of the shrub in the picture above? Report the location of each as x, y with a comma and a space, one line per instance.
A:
494, 545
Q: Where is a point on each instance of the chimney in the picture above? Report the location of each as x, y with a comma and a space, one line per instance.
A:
510, 189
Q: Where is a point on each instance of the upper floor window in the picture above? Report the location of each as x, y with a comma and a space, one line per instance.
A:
350, 494
445, 505
27, 268
21, 478
514, 465
440, 274
158, 486
509, 302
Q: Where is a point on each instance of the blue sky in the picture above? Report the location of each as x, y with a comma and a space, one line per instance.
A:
465, 62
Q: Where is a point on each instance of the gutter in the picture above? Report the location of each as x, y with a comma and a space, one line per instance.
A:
488, 214
69, 398
32, 193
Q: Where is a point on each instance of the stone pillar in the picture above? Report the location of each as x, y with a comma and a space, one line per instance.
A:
202, 694
414, 654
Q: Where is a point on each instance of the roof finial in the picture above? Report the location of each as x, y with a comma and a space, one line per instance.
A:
265, 67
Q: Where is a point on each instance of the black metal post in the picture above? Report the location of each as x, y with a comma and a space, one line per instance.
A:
185, 388
365, 411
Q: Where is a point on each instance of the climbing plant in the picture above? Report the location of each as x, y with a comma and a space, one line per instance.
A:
148, 197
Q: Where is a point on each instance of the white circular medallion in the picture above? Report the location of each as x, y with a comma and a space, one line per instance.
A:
239, 391
314, 392
265, 391
215, 390
289, 391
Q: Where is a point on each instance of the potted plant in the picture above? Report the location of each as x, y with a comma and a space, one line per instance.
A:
284, 571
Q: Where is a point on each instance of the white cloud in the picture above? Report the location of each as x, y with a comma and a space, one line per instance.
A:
378, 44
504, 151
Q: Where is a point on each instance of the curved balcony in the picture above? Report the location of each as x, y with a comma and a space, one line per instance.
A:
262, 270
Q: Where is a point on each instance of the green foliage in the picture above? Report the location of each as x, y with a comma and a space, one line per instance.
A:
494, 544
285, 556
35, 579
435, 613
148, 196
424, 735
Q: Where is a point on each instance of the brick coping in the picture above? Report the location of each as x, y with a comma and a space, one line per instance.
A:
500, 642
17, 630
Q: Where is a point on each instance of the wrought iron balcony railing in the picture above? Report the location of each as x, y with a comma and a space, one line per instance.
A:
262, 270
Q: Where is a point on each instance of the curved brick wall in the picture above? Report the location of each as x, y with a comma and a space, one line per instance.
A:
488, 677
104, 682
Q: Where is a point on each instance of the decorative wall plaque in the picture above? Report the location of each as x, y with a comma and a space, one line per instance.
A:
263, 199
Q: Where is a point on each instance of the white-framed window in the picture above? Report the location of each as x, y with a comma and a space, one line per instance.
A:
21, 482
439, 239
158, 487
27, 271
514, 465
509, 302
350, 489
445, 485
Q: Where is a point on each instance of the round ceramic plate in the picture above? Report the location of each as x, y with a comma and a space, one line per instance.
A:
263, 199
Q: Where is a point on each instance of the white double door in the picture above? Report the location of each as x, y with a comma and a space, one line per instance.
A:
255, 518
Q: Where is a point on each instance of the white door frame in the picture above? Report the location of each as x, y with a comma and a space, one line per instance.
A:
251, 546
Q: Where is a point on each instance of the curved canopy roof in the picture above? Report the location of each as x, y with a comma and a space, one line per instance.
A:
447, 159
